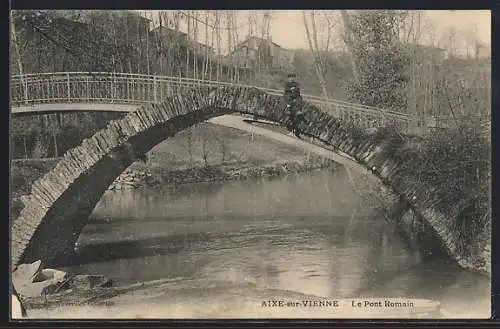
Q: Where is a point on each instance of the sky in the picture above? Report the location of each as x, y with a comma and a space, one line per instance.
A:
287, 26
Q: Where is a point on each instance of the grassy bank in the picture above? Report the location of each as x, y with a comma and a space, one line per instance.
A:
212, 145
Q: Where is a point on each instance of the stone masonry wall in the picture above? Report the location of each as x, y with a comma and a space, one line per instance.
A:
77, 182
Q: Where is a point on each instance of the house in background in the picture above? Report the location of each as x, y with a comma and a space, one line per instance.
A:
201, 48
425, 53
170, 35
254, 52
167, 34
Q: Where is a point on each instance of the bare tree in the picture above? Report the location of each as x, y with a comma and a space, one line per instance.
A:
413, 37
175, 47
263, 54
212, 44
471, 41
195, 38
223, 145
235, 43
189, 145
315, 41
217, 31
18, 56
314, 51
429, 32
159, 43
229, 36
330, 25
188, 20
204, 149
350, 42
148, 64
450, 41
205, 63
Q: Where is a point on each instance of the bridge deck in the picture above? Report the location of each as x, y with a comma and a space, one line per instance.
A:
76, 107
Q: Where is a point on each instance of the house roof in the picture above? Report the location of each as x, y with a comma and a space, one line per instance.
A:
258, 39
423, 47
192, 43
168, 29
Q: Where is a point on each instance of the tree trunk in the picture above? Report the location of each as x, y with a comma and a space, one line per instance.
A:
317, 67
190, 147
229, 46
217, 26
204, 150
205, 63
235, 43
139, 42
315, 42
187, 42
148, 64
55, 146
195, 48
210, 62
159, 46
25, 147
349, 42
116, 50
19, 59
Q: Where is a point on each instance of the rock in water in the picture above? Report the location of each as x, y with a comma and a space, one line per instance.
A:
88, 282
25, 274
51, 274
41, 288
30, 280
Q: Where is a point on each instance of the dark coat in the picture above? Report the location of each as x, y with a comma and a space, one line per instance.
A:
291, 92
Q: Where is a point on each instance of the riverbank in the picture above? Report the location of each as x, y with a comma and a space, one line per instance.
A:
172, 299
202, 153
140, 175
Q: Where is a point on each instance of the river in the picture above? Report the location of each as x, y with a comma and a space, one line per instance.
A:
220, 246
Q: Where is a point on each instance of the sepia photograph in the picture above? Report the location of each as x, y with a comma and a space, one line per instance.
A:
250, 164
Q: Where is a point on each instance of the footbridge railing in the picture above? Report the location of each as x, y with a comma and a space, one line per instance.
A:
127, 88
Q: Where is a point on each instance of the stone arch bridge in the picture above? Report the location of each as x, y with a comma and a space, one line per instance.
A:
60, 202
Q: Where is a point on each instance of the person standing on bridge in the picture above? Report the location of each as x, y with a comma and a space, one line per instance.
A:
293, 101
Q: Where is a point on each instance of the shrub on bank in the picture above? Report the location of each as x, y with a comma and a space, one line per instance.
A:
458, 161
455, 165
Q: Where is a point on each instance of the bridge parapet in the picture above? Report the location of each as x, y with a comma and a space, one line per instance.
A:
138, 89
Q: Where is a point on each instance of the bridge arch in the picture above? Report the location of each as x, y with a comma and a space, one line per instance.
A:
61, 202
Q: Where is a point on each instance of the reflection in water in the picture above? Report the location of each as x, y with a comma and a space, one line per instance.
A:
306, 234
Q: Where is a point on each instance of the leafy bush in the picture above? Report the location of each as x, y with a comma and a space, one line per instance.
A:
458, 161
455, 164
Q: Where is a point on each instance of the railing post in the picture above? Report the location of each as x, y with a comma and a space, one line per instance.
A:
69, 87
24, 83
89, 93
155, 89
113, 88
